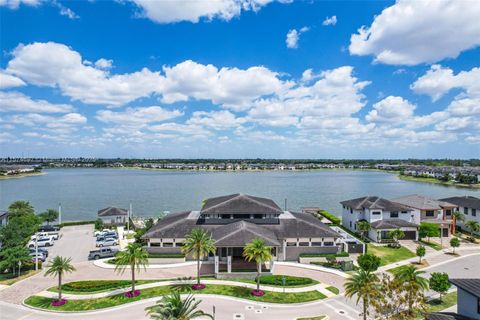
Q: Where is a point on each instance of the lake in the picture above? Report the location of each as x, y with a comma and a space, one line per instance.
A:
82, 192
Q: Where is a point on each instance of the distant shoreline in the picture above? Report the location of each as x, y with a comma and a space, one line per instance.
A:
436, 181
21, 175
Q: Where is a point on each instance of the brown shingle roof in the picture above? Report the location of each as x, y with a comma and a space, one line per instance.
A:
465, 201
374, 202
112, 211
240, 204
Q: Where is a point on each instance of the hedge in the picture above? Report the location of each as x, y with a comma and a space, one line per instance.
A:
289, 280
166, 255
98, 285
334, 219
75, 223
324, 255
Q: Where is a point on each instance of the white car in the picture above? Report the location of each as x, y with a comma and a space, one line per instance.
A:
44, 242
41, 235
101, 233
107, 242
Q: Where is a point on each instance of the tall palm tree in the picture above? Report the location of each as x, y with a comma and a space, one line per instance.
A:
135, 257
414, 283
199, 243
57, 267
172, 307
364, 226
473, 226
365, 285
458, 216
257, 251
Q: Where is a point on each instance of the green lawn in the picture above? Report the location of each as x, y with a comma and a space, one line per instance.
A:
313, 318
432, 245
233, 291
333, 289
448, 300
9, 279
389, 255
98, 286
395, 270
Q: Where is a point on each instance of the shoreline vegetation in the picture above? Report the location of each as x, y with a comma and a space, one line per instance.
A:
22, 175
436, 181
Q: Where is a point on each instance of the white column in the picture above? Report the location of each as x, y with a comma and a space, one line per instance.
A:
284, 250
216, 264
229, 263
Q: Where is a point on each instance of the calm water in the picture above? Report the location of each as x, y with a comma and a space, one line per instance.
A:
82, 192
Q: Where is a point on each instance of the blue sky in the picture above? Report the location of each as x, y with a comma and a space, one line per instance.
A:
240, 79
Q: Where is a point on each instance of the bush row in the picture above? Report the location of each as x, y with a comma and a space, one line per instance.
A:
335, 220
74, 223
289, 280
95, 285
324, 255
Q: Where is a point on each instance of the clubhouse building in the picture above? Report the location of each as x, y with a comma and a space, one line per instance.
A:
234, 220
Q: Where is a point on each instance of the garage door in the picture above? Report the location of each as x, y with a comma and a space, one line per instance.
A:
410, 235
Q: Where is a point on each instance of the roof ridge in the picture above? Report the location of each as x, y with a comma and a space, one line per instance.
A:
241, 195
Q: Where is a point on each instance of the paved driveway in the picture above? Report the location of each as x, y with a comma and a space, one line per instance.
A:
75, 242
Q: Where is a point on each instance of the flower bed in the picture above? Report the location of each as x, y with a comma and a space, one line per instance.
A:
257, 293
58, 303
290, 281
198, 286
132, 294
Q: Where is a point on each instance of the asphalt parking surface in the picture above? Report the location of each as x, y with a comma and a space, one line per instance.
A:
75, 242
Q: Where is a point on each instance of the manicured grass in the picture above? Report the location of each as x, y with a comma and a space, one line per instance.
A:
232, 291
448, 300
396, 270
278, 281
314, 318
389, 255
9, 279
432, 245
333, 289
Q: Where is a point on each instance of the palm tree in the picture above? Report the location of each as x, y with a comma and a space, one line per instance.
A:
134, 256
473, 226
413, 282
257, 251
396, 235
173, 307
200, 244
57, 267
363, 226
458, 216
365, 285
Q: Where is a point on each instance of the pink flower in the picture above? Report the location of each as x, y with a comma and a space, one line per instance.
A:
58, 303
257, 293
132, 294
198, 286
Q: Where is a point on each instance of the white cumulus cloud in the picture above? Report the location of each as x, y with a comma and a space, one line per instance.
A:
330, 21
18, 102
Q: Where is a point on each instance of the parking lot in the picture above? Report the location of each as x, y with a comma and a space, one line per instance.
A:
75, 242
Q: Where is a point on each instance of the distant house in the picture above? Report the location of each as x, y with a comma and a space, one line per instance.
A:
469, 206
430, 210
3, 218
383, 216
113, 216
468, 301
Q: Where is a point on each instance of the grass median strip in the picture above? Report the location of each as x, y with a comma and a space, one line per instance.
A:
231, 291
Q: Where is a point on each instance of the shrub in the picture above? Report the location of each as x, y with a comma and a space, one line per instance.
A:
289, 280
95, 285
75, 223
335, 220
369, 262
324, 255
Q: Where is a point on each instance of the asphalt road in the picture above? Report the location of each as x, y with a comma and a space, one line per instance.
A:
463, 267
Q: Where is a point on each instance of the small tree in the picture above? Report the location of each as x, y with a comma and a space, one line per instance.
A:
454, 243
13, 258
472, 226
420, 253
364, 227
429, 230
57, 267
439, 283
134, 257
396, 235
98, 224
368, 262
257, 251
49, 216
200, 244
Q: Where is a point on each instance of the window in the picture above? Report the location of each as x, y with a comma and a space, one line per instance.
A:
238, 216
224, 216
316, 244
448, 212
168, 244
257, 216
328, 243
303, 244
394, 214
154, 244
429, 213
350, 224
465, 211
376, 213
351, 210
291, 244
404, 211
474, 212
179, 244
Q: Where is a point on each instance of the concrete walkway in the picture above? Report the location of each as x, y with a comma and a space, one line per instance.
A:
318, 287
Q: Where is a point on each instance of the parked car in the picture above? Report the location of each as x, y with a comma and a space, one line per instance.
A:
107, 242
107, 235
48, 229
39, 256
103, 232
43, 242
102, 253
40, 250
41, 235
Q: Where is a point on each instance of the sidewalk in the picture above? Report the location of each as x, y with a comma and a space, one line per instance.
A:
319, 287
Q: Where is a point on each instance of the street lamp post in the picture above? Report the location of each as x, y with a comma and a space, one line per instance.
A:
36, 252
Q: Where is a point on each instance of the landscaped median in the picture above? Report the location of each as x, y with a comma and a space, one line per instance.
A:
225, 290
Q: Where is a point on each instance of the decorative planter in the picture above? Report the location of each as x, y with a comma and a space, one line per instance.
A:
257, 293
198, 286
58, 303
132, 294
